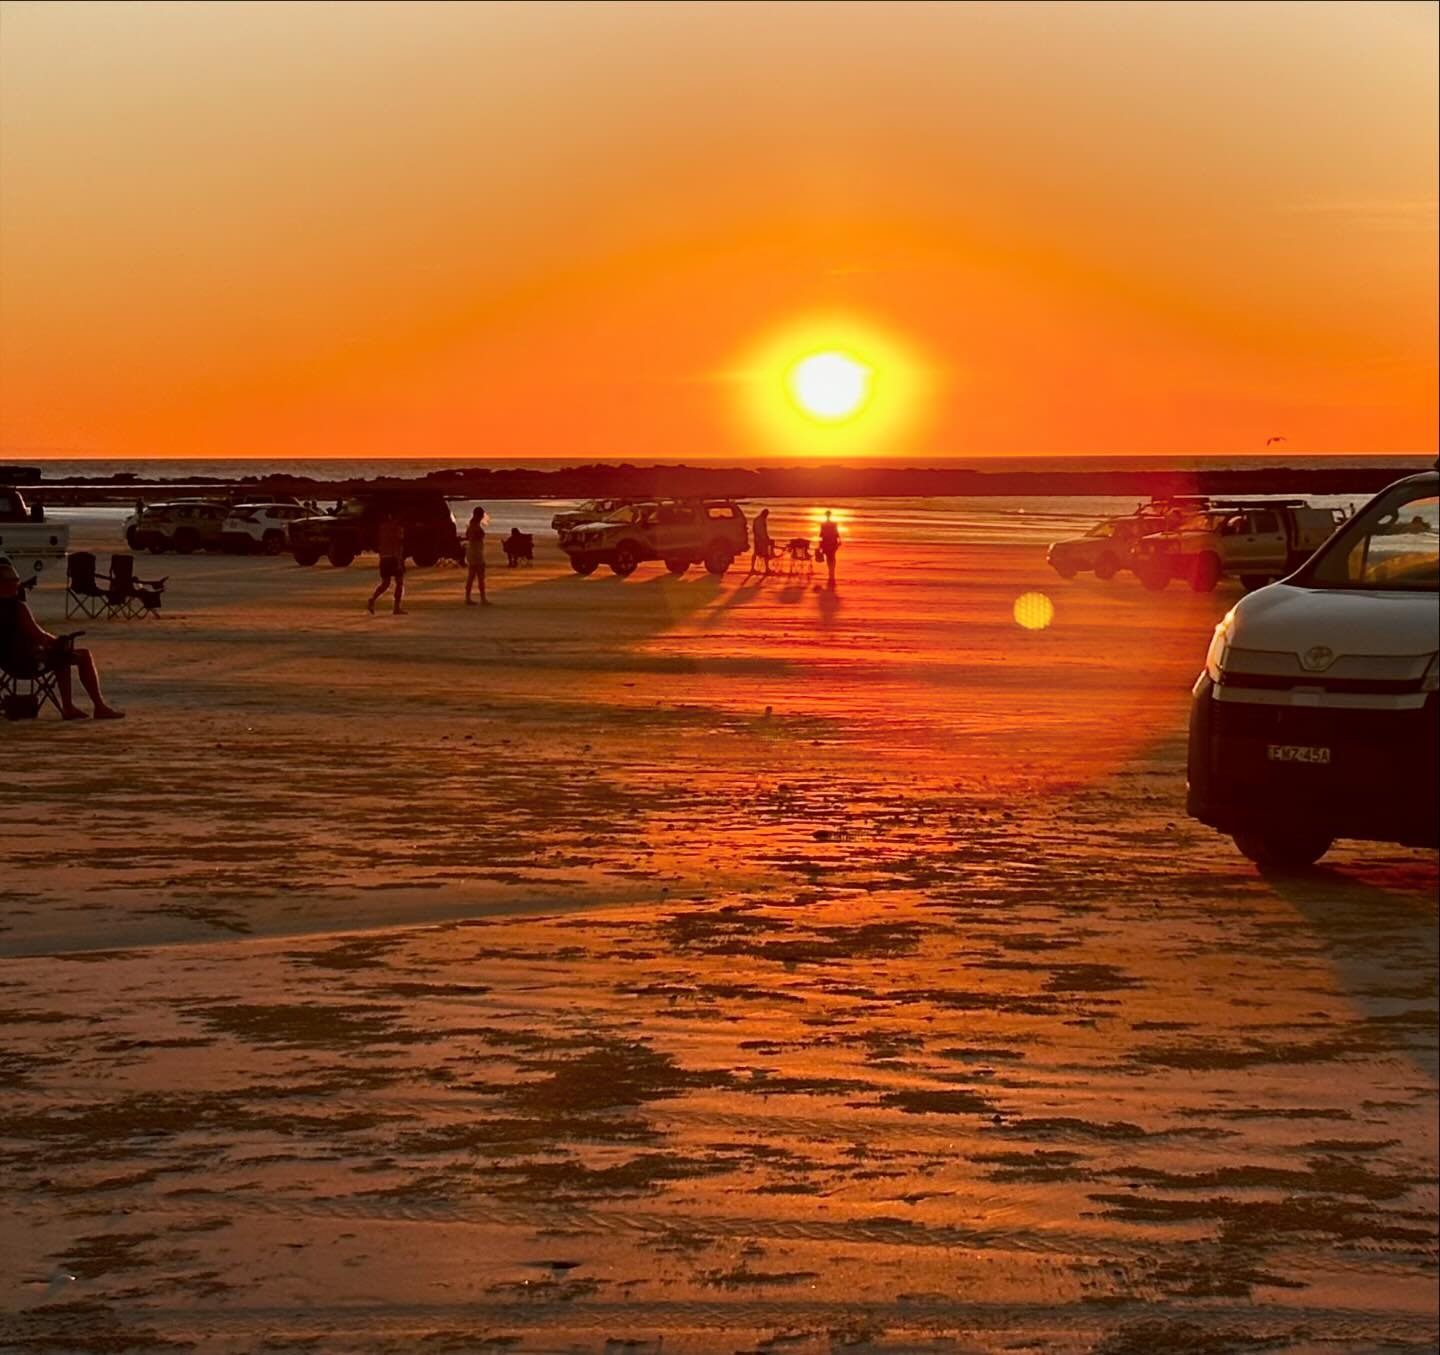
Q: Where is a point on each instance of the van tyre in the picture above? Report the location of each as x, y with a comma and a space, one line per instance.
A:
134, 539
1064, 568
340, 556
718, 558
625, 560
1106, 567
186, 541
306, 556
677, 567
1284, 848
273, 542
1206, 573
426, 557
584, 565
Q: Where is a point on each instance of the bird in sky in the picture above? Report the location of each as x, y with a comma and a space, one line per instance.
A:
1268, 441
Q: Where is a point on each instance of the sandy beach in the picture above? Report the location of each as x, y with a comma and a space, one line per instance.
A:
689, 964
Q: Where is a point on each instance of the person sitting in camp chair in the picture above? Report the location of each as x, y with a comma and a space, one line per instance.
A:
519, 546
28, 650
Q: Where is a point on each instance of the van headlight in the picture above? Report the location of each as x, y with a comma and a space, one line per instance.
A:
1431, 681
1219, 650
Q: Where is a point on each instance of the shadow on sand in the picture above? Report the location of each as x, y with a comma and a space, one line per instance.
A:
1382, 941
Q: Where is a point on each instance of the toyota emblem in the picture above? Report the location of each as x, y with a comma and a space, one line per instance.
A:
1318, 659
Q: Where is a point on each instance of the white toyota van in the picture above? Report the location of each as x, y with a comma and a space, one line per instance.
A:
1316, 715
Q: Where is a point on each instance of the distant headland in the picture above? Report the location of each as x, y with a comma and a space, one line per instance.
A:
811, 483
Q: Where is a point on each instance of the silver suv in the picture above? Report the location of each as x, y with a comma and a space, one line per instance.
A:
681, 532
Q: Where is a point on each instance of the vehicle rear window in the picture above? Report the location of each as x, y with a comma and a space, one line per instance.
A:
719, 511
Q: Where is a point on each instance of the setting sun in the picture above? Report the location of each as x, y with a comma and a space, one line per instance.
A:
830, 385
834, 383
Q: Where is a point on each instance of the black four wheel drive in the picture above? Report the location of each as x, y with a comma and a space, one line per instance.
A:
430, 531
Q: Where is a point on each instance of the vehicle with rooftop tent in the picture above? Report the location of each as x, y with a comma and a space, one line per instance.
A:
1317, 714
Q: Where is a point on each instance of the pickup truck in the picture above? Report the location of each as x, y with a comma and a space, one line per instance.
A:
1257, 540
34, 545
1109, 546
1317, 713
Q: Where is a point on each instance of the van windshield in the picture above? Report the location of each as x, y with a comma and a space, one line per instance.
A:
1391, 546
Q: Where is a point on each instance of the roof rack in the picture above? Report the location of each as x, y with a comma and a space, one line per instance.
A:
1260, 503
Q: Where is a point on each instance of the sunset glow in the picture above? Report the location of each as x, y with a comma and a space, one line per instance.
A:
830, 385
1114, 240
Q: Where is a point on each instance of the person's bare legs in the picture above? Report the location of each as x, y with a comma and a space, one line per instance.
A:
68, 709
90, 680
399, 591
380, 590
476, 575
84, 661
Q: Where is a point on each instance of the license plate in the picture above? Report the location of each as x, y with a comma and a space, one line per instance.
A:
1296, 752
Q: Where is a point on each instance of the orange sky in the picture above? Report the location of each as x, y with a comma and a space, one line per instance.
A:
529, 230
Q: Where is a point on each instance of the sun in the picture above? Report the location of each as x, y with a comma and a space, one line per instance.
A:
830, 385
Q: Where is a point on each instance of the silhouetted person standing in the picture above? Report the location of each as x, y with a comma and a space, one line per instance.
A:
829, 544
391, 541
761, 547
475, 557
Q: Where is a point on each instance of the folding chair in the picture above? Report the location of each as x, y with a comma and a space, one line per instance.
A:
41, 677
83, 593
132, 597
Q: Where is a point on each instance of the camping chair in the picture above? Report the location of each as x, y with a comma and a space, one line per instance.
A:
800, 557
130, 596
41, 675
83, 593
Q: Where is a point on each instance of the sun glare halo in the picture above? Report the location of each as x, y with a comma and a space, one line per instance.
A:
833, 384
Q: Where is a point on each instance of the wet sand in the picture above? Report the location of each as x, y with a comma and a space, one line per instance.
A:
690, 965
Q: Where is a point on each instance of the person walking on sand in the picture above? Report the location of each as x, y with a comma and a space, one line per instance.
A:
22, 636
829, 543
475, 557
391, 541
761, 548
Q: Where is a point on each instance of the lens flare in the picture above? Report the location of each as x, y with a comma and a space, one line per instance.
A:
1034, 611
